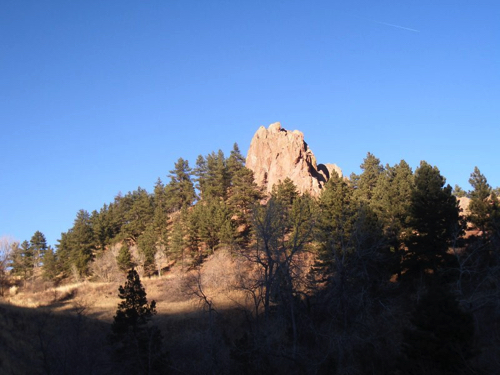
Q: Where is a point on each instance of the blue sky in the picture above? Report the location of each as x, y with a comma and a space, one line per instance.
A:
98, 97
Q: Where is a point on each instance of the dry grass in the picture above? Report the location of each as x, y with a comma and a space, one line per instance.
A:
172, 291
187, 325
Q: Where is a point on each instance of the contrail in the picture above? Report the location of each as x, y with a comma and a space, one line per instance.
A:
397, 26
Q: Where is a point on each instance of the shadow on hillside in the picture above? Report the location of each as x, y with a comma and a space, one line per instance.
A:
46, 341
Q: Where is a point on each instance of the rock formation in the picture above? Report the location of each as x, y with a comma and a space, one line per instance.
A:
463, 203
276, 153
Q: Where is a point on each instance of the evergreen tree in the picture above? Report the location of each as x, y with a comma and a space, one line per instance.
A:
50, 269
180, 190
139, 215
124, 259
365, 184
459, 192
434, 220
392, 197
160, 219
134, 310
177, 238
336, 221
285, 192
38, 245
21, 260
243, 195
481, 204
391, 203
244, 192
118, 215
103, 227
147, 243
302, 217
235, 162
193, 238
77, 246
213, 219
200, 172
218, 177
63, 253
213, 176
137, 343
28, 256
352, 245
484, 208
83, 241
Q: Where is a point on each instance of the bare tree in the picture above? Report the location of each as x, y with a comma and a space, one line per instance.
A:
160, 258
281, 235
5, 251
105, 266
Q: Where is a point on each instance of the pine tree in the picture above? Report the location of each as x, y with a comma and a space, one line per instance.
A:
76, 247
392, 197
367, 181
285, 192
28, 256
180, 191
434, 219
139, 214
63, 253
235, 162
137, 343
134, 311
103, 227
38, 245
160, 219
18, 262
193, 240
50, 270
213, 175
177, 239
124, 259
484, 208
213, 219
81, 242
200, 172
481, 203
391, 203
147, 243
217, 179
353, 252
243, 195
244, 192
459, 192
336, 221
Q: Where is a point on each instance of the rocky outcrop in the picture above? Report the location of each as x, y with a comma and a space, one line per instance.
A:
276, 153
463, 203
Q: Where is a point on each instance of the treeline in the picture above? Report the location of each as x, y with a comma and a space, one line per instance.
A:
188, 218
381, 274
403, 282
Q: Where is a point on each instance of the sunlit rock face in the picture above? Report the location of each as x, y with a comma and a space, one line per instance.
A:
276, 153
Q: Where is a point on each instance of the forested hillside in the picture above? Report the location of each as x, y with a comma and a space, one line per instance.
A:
383, 273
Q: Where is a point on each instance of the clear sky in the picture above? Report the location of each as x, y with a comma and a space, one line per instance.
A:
100, 97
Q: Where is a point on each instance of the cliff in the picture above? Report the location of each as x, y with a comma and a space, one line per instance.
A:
276, 153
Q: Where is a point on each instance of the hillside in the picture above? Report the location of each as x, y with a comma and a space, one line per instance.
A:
266, 264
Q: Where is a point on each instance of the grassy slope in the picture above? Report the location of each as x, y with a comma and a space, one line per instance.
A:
64, 329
